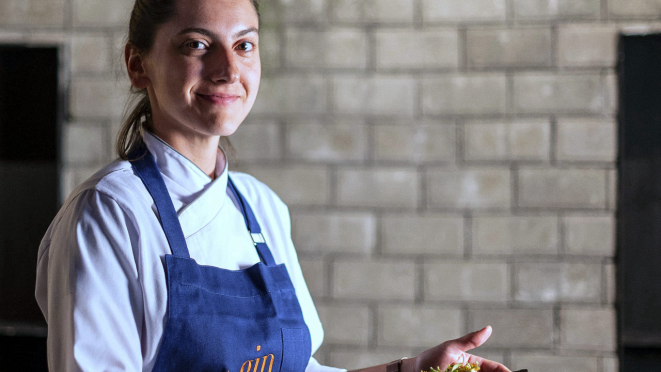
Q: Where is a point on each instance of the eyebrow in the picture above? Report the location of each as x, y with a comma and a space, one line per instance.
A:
211, 34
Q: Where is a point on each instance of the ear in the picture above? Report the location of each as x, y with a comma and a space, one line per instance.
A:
135, 67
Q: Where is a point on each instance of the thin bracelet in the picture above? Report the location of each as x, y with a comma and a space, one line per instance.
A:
395, 366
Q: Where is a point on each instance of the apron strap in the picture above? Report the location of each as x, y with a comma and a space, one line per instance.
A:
253, 226
147, 170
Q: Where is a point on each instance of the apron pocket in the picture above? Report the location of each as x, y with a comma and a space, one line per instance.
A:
296, 348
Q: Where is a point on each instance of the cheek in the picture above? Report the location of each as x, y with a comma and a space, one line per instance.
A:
180, 76
252, 79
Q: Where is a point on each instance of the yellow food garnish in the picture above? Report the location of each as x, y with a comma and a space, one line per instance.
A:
457, 367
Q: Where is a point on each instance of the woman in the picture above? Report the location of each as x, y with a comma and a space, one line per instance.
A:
163, 261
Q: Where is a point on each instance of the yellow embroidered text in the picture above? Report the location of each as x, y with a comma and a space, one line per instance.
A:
257, 361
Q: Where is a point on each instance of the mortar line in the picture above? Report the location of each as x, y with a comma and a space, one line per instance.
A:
553, 156
462, 54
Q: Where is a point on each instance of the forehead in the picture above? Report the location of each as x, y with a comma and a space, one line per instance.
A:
215, 14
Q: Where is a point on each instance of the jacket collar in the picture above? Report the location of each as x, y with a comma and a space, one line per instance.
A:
196, 198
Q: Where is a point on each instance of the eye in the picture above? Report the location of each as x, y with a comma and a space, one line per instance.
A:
197, 45
246, 46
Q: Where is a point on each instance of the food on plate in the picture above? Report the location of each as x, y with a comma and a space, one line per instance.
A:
457, 367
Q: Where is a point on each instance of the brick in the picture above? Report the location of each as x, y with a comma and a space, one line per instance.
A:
519, 140
587, 46
32, 12
257, 140
418, 326
612, 188
472, 94
288, 11
611, 365
314, 272
321, 354
588, 329
558, 93
515, 235
345, 324
332, 232
590, 235
379, 187
586, 140
612, 93
335, 48
554, 363
355, 359
86, 144
557, 9
415, 143
634, 8
432, 48
562, 188
291, 95
463, 10
337, 141
380, 95
90, 53
296, 185
523, 47
12, 37
467, 281
118, 65
378, 280
430, 234
551, 282
48, 37
270, 47
102, 13
469, 188
388, 11
610, 272
97, 97
515, 327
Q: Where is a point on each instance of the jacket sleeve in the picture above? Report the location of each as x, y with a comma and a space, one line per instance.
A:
88, 288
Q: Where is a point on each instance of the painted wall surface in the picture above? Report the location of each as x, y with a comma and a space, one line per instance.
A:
448, 163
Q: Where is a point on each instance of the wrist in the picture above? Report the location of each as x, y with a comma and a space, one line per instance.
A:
409, 365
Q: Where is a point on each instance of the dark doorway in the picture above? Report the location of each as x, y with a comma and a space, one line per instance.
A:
30, 117
639, 202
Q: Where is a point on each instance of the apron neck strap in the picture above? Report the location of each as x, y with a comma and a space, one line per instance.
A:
253, 226
147, 170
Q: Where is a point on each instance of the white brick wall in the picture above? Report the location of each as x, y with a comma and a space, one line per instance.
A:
448, 163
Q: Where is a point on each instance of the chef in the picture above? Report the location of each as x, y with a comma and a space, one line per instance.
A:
166, 261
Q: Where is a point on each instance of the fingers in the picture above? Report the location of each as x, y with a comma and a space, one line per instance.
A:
487, 365
473, 339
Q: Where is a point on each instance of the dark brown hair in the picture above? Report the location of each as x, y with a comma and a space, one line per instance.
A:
147, 16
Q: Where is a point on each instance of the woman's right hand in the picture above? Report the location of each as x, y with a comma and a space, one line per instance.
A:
454, 351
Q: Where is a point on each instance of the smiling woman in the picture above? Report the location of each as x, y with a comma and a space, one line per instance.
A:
166, 261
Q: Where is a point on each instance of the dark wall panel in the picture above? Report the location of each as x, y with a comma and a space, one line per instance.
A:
639, 202
30, 112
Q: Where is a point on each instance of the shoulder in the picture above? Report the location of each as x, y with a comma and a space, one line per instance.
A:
116, 181
256, 192
114, 186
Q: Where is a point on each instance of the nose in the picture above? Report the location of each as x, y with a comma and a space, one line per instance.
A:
225, 66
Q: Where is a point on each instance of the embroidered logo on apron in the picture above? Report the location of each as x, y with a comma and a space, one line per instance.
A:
264, 360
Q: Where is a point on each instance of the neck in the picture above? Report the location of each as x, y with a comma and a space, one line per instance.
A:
201, 150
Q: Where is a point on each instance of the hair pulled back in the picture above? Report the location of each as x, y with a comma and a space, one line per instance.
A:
147, 16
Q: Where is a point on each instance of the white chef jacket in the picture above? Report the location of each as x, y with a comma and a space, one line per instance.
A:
100, 272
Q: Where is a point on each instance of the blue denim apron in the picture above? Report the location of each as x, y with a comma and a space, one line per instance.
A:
223, 320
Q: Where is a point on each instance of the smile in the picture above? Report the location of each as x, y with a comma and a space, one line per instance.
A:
220, 98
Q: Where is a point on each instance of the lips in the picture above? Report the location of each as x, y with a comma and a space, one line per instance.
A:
220, 98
